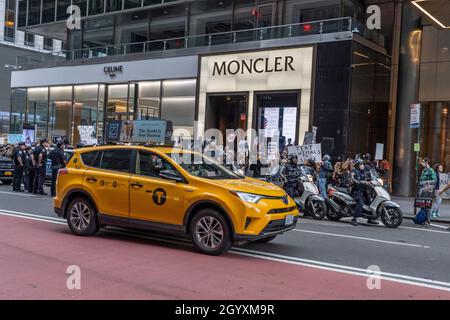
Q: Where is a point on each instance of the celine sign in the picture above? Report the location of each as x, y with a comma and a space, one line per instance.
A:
113, 70
257, 65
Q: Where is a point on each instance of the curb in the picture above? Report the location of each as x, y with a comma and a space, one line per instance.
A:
432, 220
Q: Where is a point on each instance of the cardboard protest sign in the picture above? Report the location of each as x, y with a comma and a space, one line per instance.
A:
306, 152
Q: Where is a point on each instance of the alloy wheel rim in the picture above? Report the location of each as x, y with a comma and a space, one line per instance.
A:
80, 216
209, 232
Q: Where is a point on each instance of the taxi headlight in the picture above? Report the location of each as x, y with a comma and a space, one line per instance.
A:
248, 197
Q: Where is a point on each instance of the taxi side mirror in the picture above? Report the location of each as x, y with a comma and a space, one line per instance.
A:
170, 175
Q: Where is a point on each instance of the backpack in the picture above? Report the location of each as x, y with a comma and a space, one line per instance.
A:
421, 217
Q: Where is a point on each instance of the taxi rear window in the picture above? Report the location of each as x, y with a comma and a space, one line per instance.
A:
88, 157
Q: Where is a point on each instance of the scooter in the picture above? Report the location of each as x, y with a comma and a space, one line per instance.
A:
310, 201
380, 206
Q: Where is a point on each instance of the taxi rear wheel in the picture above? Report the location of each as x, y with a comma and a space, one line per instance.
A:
82, 217
210, 232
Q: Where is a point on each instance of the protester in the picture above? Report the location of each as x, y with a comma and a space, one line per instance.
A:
427, 183
325, 174
437, 200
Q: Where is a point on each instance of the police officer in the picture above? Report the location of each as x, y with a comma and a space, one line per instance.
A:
40, 159
28, 176
19, 161
58, 161
360, 184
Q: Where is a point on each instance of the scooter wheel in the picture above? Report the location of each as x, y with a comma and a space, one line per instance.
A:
333, 215
317, 209
391, 217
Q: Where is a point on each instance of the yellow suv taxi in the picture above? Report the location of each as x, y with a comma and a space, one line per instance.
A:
148, 188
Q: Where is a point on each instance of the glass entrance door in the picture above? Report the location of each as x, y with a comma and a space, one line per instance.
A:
121, 102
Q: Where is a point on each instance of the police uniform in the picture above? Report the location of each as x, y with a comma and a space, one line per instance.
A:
359, 189
18, 168
40, 170
29, 172
58, 160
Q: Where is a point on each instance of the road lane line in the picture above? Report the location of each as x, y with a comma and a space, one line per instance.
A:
427, 230
363, 238
421, 282
23, 194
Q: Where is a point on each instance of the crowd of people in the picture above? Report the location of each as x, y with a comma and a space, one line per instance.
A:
30, 164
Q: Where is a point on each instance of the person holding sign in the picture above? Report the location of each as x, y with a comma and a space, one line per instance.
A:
325, 174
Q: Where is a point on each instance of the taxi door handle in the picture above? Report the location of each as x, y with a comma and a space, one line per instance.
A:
136, 185
92, 179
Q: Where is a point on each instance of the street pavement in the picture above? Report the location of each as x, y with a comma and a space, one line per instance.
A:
317, 260
407, 204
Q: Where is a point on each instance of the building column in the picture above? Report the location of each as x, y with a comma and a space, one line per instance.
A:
404, 183
438, 131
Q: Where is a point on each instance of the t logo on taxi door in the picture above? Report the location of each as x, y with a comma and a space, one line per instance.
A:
159, 196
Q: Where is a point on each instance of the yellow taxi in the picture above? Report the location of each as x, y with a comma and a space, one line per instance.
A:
168, 190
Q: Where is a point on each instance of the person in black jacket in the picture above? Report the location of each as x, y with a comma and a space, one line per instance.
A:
58, 161
28, 178
19, 162
40, 159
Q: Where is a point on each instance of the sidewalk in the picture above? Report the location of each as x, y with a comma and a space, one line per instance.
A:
407, 206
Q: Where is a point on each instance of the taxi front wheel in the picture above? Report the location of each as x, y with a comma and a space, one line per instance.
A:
210, 232
82, 217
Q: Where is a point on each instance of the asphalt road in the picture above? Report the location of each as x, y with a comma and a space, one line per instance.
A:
318, 259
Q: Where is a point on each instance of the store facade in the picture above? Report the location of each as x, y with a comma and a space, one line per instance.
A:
59, 100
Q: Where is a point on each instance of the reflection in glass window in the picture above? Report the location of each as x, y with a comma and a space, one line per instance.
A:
48, 11
60, 112
98, 32
151, 165
61, 9
129, 4
278, 113
178, 102
18, 104
34, 12
167, 23
95, 7
85, 112
38, 110
148, 101
22, 14
113, 5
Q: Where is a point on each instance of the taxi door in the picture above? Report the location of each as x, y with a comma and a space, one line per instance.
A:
108, 181
153, 198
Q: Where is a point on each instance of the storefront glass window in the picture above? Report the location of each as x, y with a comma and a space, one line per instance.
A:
60, 112
18, 104
61, 9
34, 12
278, 113
178, 102
117, 105
149, 100
132, 28
132, 4
167, 23
113, 5
38, 110
98, 32
22, 14
85, 111
82, 4
96, 7
101, 111
48, 11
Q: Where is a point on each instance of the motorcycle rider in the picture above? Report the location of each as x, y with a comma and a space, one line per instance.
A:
360, 184
292, 172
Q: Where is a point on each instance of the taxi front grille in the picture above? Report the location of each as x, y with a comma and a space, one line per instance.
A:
282, 210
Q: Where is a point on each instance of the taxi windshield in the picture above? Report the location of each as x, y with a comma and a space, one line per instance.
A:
204, 167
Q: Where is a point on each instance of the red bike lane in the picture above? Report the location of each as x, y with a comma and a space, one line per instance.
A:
35, 256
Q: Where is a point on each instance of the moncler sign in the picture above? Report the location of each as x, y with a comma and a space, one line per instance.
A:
253, 66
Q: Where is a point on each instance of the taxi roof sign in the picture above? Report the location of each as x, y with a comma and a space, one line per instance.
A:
139, 131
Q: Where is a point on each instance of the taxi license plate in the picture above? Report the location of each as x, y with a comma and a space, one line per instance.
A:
8, 173
288, 220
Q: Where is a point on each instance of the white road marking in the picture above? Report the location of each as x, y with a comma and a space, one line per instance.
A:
438, 226
421, 282
423, 229
362, 238
399, 278
24, 194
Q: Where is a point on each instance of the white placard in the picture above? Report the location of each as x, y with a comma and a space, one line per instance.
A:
415, 115
443, 181
306, 152
379, 151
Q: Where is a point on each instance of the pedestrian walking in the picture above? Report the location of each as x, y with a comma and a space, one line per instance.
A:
58, 161
40, 158
19, 161
427, 184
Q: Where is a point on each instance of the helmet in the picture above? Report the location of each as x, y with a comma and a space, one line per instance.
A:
367, 157
326, 158
358, 161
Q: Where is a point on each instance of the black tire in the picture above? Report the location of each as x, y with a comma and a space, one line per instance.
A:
391, 217
82, 207
265, 240
317, 209
199, 227
7, 182
333, 215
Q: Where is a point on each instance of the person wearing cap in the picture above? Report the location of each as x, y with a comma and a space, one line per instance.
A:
58, 161
360, 184
19, 161
325, 174
40, 158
